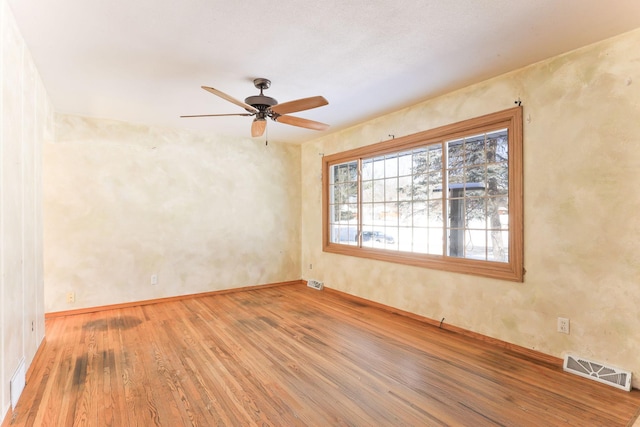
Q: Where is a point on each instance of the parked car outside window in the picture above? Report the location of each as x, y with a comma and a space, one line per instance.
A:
377, 236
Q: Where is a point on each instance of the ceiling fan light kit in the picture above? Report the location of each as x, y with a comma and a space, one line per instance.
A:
258, 126
262, 106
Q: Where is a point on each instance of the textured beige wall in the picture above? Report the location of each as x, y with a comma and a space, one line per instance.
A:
582, 195
204, 213
25, 121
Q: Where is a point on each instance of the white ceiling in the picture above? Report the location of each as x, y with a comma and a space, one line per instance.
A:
144, 61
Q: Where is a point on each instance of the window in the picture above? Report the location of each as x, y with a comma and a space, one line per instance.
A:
448, 198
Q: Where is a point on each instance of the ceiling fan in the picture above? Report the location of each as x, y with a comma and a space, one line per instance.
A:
263, 107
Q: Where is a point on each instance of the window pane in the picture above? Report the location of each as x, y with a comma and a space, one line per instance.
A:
405, 239
456, 176
378, 190
378, 212
420, 240
436, 241
498, 178
498, 146
435, 184
391, 213
498, 213
420, 187
367, 213
474, 151
405, 164
391, 166
499, 249
378, 167
435, 158
456, 217
405, 188
391, 189
475, 175
455, 154
419, 214
405, 215
367, 170
476, 213
420, 161
367, 192
475, 244
455, 246
436, 218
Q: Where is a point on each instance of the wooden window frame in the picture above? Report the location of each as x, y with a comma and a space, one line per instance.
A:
512, 270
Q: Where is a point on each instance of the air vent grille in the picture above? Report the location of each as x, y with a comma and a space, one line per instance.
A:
315, 284
598, 371
17, 383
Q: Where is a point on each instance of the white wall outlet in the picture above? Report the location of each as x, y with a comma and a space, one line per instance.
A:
154, 279
563, 325
71, 297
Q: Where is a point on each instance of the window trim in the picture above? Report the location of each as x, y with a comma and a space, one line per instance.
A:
512, 270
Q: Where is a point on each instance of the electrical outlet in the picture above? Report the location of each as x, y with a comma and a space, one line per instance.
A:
71, 297
154, 279
563, 325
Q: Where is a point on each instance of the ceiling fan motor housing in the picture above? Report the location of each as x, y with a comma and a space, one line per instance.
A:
263, 101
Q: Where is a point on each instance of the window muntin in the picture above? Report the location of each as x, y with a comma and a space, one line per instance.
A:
387, 202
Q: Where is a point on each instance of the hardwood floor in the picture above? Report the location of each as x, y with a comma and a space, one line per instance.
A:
294, 356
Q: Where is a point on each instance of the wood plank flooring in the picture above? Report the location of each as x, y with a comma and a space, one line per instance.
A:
294, 356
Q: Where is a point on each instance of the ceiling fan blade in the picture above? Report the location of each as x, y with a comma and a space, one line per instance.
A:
230, 99
299, 105
303, 123
217, 115
257, 127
